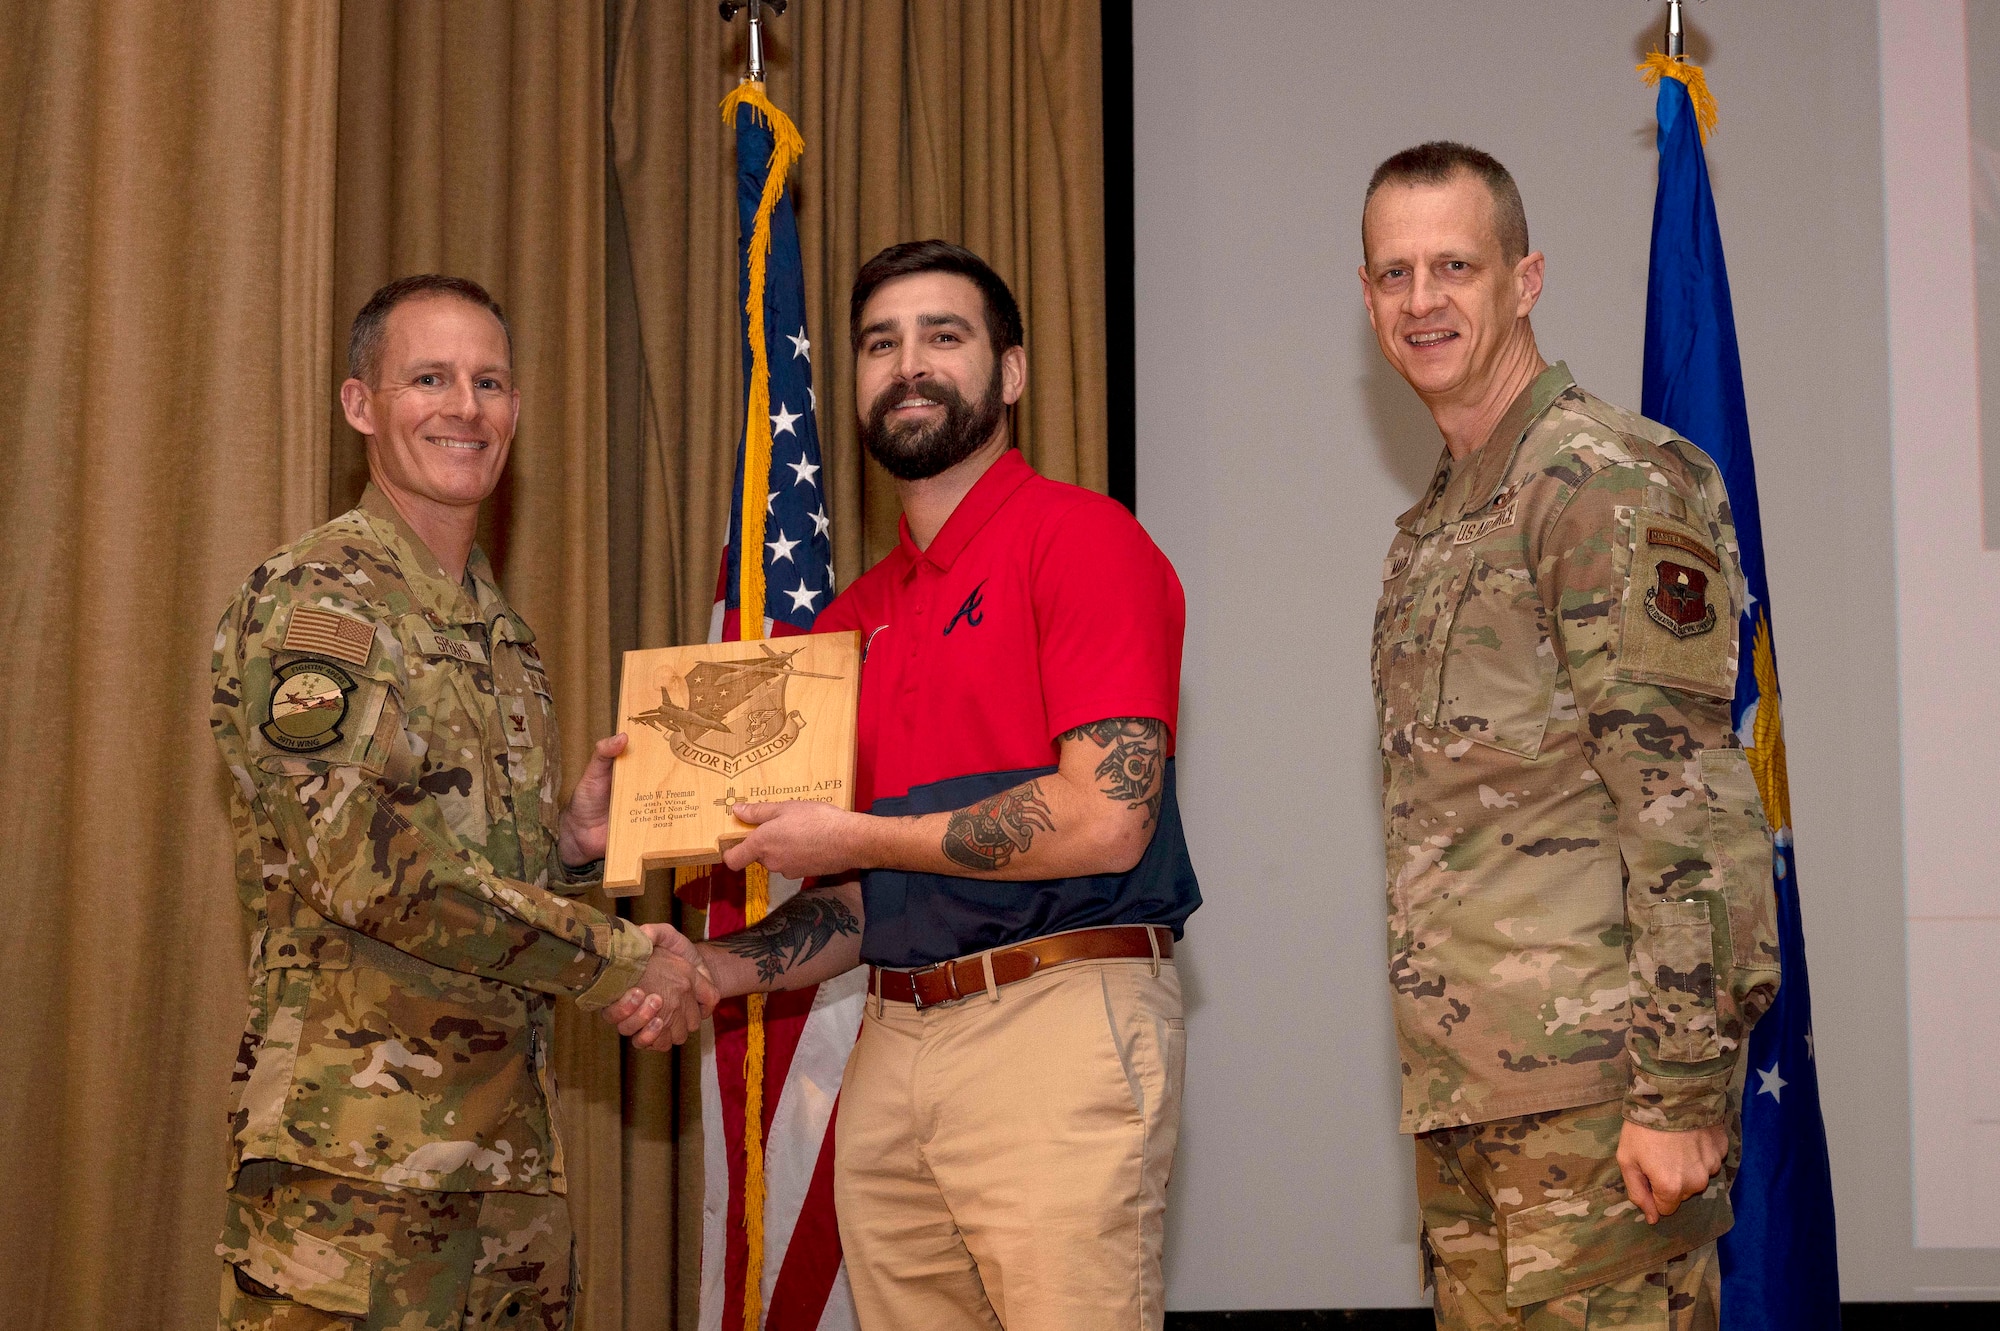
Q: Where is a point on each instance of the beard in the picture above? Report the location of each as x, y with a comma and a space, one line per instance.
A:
918, 452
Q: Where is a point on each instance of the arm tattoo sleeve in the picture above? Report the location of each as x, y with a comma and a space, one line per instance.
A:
794, 933
1134, 768
986, 835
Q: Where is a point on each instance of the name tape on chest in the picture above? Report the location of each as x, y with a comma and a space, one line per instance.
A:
330, 633
432, 643
1472, 529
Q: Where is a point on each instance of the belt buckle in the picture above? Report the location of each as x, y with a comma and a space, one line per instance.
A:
951, 979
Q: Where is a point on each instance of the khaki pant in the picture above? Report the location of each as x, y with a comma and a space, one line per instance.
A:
1526, 1225
1002, 1161
305, 1251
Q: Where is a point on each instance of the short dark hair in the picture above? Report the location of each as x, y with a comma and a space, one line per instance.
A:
364, 341
1438, 161
1003, 314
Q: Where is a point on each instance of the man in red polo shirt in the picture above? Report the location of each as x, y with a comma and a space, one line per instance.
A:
1008, 1117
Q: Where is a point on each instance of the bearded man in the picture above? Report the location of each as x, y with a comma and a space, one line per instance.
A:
1019, 875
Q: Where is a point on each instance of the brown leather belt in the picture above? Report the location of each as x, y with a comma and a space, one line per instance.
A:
950, 980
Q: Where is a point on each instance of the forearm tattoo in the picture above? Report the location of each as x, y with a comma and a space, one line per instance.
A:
1134, 770
793, 934
986, 835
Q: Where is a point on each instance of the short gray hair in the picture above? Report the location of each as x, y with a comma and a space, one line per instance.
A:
364, 340
1438, 161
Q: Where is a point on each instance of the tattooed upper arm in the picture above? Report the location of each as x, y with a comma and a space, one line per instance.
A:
1134, 769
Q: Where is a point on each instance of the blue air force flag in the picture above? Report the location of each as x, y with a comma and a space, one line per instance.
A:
1778, 1263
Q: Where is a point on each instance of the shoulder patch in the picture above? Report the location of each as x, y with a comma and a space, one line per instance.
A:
332, 633
308, 703
1679, 623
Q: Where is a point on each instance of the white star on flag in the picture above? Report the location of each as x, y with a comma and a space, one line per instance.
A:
1811, 1053
804, 470
770, 498
800, 347
820, 520
801, 598
1772, 1083
780, 548
783, 422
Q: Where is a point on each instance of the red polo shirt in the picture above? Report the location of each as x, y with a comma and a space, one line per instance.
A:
1038, 608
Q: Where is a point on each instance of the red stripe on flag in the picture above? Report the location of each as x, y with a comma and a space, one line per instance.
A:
785, 1016
812, 1259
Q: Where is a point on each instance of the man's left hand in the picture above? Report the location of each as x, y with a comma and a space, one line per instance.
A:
586, 823
1664, 1169
799, 838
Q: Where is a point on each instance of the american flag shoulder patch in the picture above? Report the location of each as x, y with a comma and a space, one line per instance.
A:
330, 633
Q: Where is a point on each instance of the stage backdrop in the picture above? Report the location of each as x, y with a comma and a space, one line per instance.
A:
193, 202
1275, 450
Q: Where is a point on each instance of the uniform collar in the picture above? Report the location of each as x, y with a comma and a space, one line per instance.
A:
1009, 472
1462, 486
475, 601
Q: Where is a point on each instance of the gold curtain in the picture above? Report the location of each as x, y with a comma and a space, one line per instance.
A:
166, 186
193, 203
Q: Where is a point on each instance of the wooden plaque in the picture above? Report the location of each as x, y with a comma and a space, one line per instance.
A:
719, 723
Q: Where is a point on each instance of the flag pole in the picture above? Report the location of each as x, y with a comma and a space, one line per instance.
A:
756, 7
750, 606
1676, 39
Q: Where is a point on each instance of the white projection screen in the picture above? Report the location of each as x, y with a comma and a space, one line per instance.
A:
1274, 450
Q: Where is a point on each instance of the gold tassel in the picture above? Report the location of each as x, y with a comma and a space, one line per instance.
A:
787, 147
1659, 65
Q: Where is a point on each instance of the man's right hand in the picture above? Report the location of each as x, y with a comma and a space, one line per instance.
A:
675, 988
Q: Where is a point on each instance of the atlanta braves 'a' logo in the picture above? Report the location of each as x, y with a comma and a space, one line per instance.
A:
972, 612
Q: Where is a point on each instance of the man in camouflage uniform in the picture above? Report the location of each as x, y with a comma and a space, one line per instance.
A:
1581, 922
406, 879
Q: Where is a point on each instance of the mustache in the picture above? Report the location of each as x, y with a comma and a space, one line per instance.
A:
914, 450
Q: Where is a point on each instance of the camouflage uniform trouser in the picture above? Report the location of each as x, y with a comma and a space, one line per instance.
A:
1527, 1225
306, 1251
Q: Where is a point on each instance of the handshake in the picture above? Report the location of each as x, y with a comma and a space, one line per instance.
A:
673, 997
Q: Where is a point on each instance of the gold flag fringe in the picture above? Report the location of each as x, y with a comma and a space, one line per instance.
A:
1659, 65
787, 147
1767, 733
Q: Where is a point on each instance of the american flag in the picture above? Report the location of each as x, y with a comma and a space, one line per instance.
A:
807, 1033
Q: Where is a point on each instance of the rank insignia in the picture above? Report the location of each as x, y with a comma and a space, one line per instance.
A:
1678, 602
308, 703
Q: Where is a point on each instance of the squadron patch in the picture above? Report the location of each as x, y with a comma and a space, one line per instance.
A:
1680, 590
308, 703
1678, 602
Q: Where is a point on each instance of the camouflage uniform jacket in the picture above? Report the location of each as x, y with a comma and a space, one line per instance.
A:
393, 744
1579, 869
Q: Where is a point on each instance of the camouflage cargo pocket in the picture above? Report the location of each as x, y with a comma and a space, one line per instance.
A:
1431, 619
1740, 849
1674, 957
1678, 623
1600, 1235
311, 713
269, 1246
1498, 674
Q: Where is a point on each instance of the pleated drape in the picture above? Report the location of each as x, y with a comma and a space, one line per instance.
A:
166, 188
194, 200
